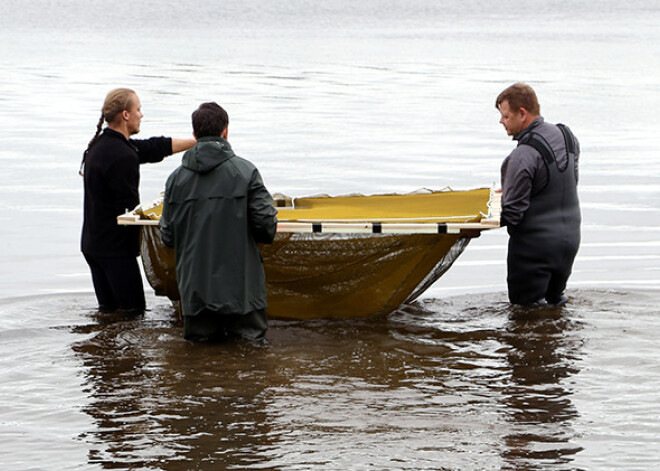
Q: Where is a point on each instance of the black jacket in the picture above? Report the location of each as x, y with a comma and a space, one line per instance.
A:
112, 179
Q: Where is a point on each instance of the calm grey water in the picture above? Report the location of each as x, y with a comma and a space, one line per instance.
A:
335, 97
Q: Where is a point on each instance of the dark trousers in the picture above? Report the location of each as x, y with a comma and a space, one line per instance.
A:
117, 283
213, 326
532, 280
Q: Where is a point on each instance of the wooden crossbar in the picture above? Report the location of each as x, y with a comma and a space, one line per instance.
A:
318, 227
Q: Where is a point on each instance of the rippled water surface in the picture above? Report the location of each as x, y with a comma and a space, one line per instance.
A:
335, 97
463, 383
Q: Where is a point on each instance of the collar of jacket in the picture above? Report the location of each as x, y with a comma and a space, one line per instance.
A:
112, 133
534, 124
116, 134
208, 153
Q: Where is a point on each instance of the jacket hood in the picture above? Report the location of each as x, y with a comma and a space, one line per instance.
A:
208, 153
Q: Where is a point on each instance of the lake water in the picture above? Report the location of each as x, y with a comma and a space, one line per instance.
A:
335, 97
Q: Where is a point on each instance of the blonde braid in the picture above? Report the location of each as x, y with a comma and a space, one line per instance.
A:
99, 128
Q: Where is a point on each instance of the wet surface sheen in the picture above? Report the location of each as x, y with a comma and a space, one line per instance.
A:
461, 383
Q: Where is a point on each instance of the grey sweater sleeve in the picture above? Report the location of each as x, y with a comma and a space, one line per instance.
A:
519, 177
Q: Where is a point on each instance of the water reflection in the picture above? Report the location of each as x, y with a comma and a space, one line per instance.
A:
523, 357
160, 402
544, 349
465, 383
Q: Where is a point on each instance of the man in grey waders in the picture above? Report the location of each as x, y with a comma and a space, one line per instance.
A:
540, 206
216, 210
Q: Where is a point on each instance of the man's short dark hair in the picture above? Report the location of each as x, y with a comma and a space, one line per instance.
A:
210, 119
519, 95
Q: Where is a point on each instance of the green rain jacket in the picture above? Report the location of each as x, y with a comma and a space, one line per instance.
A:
215, 211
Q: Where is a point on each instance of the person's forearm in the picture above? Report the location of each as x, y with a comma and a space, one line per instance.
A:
179, 145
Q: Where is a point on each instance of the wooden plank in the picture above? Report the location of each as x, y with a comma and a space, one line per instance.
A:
349, 228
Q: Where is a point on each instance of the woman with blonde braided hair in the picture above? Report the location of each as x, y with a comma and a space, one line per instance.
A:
111, 172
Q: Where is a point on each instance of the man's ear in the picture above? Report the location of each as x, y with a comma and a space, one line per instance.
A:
225, 133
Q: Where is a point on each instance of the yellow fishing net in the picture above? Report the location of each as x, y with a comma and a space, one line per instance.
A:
312, 275
422, 206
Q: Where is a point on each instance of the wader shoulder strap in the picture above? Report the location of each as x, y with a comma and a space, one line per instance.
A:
537, 141
569, 139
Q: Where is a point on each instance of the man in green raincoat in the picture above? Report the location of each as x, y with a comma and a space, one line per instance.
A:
215, 211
